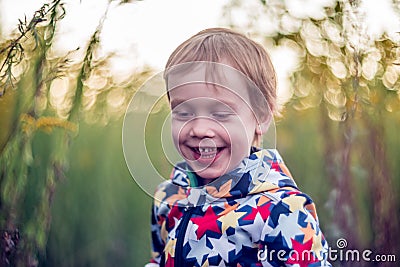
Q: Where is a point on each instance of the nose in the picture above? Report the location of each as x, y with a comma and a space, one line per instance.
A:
201, 128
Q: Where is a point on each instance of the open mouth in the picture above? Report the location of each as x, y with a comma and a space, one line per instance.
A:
206, 153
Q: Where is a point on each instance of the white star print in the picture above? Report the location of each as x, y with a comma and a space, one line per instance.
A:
198, 249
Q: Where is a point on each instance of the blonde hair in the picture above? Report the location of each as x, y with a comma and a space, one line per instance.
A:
244, 54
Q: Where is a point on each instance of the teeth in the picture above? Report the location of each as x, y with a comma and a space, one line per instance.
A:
207, 149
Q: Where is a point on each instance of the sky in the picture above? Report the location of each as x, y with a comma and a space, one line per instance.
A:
146, 32
151, 27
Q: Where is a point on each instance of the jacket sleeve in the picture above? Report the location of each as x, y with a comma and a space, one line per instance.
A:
157, 244
158, 220
291, 236
164, 197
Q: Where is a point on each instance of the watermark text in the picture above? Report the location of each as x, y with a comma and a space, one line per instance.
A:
340, 253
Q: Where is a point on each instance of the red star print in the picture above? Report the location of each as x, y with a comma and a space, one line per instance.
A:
170, 262
174, 213
302, 253
275, 166
263, 210
206, 223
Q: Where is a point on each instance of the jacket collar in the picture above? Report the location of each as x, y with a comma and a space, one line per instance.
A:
262, 171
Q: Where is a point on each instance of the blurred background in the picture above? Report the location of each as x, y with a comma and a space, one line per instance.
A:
68, 70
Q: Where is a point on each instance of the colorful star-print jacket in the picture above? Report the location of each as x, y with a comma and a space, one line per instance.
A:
252, 216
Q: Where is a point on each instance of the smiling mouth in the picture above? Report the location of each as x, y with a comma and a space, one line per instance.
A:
206, 152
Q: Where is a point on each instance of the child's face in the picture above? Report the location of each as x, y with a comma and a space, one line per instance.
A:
212, 127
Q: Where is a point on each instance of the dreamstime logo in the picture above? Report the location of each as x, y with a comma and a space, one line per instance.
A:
340, 253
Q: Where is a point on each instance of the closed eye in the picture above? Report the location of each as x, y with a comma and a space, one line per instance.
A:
223, 115
182, 115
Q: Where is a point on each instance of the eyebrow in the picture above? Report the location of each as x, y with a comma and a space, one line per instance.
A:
178, 101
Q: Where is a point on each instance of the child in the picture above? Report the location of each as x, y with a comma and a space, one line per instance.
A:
230, 203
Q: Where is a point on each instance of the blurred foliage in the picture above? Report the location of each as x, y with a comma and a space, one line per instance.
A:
56, 111
100, 216
343, 115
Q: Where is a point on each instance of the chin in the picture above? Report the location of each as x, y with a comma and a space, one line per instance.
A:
210, 173
206, 175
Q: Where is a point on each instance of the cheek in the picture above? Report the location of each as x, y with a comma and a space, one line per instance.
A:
176, 132
240, 142
242, 134
251, 128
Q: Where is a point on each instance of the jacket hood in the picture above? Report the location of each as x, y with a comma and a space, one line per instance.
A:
262, 171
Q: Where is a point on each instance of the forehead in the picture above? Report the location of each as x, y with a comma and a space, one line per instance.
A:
210, 73
198, 93
211, 79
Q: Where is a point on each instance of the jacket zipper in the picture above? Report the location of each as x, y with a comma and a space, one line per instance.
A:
179, 262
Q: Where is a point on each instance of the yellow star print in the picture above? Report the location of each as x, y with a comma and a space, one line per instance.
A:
228, 208
308, 232
164, 232
159, 196
206, 263
262, 200
222, 192
262, 186
317, 245
230, 219
295, 202
170, 247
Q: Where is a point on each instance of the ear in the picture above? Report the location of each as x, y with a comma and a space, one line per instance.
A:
263, 126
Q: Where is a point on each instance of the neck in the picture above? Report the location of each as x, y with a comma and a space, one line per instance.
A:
204, 181
196, 180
